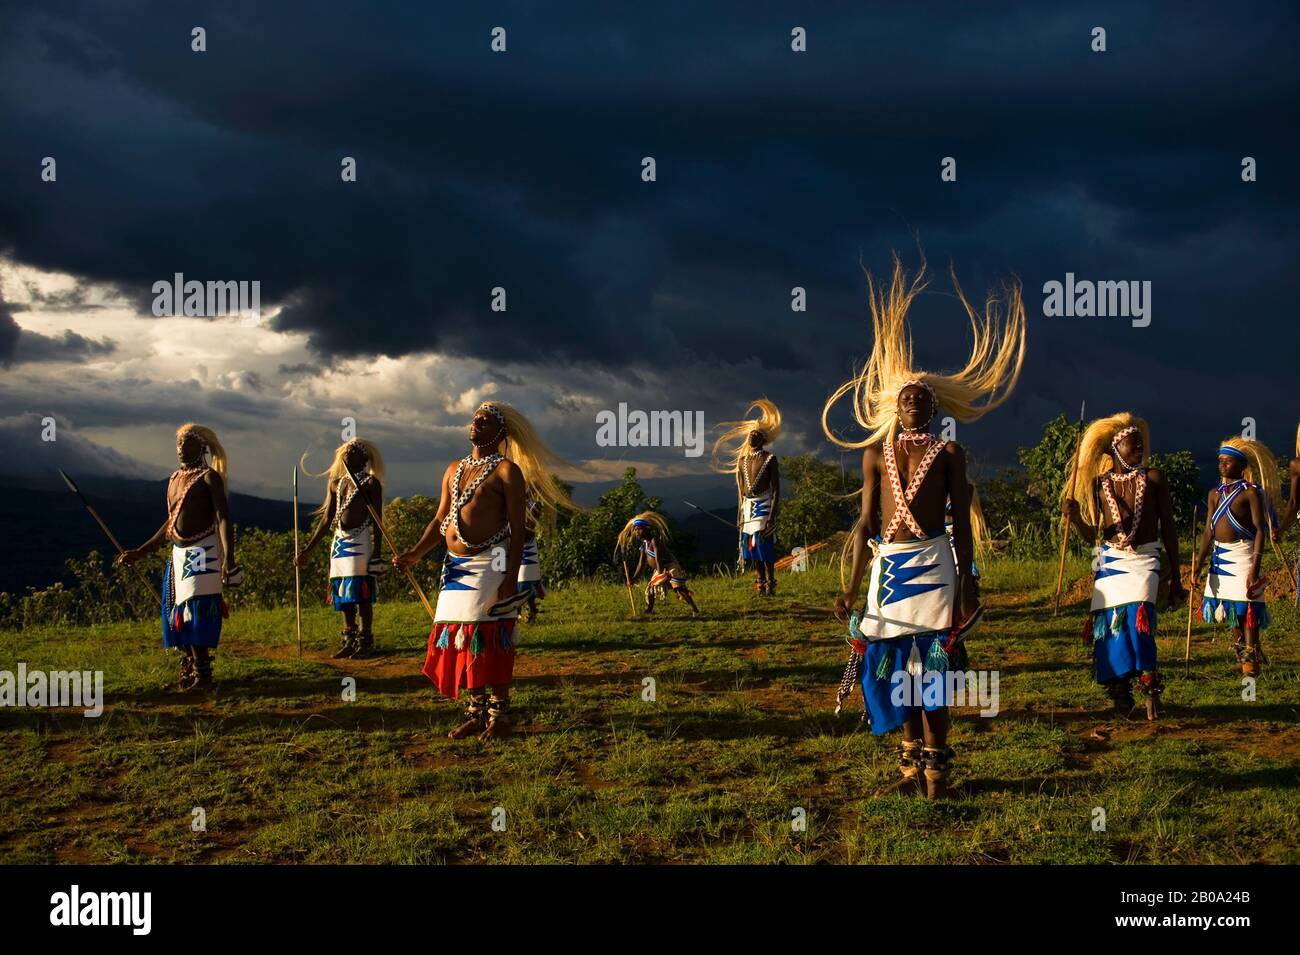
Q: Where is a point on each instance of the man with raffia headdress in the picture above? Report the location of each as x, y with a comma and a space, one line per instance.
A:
203, 554
481, 518
1242, 511
922, 597
648, 532
354, 484
743, 450
1129, 512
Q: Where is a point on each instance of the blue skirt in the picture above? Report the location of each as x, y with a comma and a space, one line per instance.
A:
195, 623
350, 591
893, 698
1123, 641
764, 550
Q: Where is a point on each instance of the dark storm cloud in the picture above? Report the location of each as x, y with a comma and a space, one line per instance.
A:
18, 345
522, 170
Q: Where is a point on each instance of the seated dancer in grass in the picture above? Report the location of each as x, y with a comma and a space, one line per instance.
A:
203, 554
354, 480
1242, 512
1128, 510
648, 532
744, 450
922, 597
481, 518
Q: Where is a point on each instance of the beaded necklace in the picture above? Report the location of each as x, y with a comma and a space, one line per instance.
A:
459, 499
189, 477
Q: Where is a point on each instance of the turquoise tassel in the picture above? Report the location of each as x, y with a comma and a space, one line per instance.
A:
1117, 621
886, 665
1099, 626
476, 640
444, 638
937, 658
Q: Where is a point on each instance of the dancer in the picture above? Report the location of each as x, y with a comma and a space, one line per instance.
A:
648, 532
354, 483
203, 554
481, 519
1129, 511
743, 450
1240, 513
922, 597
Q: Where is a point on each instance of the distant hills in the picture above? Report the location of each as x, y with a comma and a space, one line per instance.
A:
48, 524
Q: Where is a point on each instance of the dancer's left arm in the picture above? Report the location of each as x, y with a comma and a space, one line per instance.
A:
516, 489
1259, 517
224, 528
959, 494
776, 497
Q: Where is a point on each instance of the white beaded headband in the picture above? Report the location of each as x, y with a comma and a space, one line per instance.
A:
929, 388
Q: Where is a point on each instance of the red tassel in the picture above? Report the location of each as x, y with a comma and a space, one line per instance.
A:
225, 610
1143, 621
1251, 619
177, 620
365, 590
1087, 628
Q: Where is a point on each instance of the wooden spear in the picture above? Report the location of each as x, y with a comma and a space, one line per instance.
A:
628, 577
104, 527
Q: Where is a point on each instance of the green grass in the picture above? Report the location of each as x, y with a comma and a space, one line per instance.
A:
740, 736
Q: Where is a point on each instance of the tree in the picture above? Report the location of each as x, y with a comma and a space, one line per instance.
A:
582, 544
1049, 462
1183, 478
814, 502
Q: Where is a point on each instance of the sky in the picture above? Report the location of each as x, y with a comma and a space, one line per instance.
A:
523, 170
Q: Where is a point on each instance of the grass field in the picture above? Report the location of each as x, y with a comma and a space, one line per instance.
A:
741, 735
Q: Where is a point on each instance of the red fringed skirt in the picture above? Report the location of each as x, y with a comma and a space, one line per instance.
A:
470, 655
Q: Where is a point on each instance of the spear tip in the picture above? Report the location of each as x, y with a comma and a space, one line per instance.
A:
67, 480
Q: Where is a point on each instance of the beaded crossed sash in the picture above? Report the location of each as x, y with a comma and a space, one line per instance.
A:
345, 496
902, 499
191, 477
1123, 538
